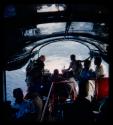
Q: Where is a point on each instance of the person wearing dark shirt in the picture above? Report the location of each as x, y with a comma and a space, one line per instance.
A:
56, 76
38, 67
35, 77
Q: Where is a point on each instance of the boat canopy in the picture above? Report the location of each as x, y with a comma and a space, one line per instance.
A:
32, 25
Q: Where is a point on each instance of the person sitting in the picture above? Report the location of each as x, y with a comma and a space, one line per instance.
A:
74, 91
80, 110
24, 108
67, 85
56, 77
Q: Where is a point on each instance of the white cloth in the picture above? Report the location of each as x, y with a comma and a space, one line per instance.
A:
99, 71
91, 89
74, 86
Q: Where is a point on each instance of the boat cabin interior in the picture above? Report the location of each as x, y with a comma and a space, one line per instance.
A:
29, 26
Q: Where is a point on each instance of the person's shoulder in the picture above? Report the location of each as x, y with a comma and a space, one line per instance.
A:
101, 66
27, 101
13, 104
91, 70
71, 62
78, 62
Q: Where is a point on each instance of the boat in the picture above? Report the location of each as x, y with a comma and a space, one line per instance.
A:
23, 34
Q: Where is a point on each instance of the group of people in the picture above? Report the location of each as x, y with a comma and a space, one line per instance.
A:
35, 70
27, 108
78, 81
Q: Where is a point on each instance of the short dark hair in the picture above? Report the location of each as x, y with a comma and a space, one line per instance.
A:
42, 56
87, 63
56, 71
73, 56
98, 59
17, 92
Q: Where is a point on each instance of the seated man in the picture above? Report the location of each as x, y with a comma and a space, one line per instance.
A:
56, 76
23, 107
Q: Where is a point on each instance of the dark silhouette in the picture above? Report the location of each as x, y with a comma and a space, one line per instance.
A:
34, 75
87, 82
75, 66
99, 67
56, 76
35, 70
24, 108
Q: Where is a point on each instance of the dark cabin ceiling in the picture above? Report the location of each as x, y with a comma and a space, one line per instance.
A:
26, 17
72, 12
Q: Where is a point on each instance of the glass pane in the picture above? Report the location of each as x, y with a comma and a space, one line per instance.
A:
45, 29
50, 28
81, 26
50, 7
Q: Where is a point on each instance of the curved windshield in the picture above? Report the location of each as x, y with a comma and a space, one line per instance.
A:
58, 54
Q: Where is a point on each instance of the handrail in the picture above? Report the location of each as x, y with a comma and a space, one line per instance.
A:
45, 106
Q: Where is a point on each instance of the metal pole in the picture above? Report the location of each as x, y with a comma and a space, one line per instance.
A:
4, 85
45, 106
1, 86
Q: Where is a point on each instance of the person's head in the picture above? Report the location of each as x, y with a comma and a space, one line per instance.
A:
56, 72
18, 94
87, 64
42, 58
73, 57
97, 60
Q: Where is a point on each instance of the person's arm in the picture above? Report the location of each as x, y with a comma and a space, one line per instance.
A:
69, 66
101, 72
